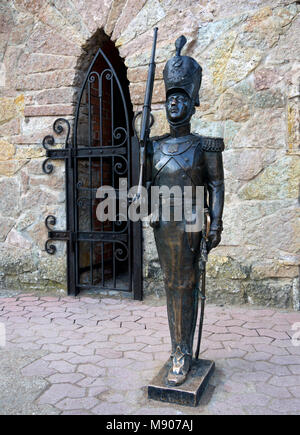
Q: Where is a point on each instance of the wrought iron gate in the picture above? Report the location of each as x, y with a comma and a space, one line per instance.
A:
99, 151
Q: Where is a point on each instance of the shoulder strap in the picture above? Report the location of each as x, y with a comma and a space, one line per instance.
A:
213, 144
159, 138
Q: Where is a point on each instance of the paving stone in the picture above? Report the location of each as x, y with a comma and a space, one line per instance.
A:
148, 340
61, 356
222, 354
257, 356
54, 348
144, 365
295, 369
110, 353
76, 412
72, 404
272, 391
140, 325
81, 350
121, 338
80, 316
285, 381
294, 350
225, 408
88, 381
59, 315
153, 410
62, 366
28, 299
251, 377
7, 300
63, 321
228, 345
50, 340
230, 322
256, 340
57, 392
49, 299
295, 392
91, 370
70, 378
14, 308
273, 334
38, 368
271, 349
285, 359
123, 362
111, 409
161, 356
76, 341
243, 331
225, 337
97, 390
147, 333
138, 356
240, 364
286, 406
231, 386
215, 329
157, 348
250, 399
288, 317
89, 359
271, 368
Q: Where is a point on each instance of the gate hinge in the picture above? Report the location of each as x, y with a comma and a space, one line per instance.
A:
67, 236
58, 153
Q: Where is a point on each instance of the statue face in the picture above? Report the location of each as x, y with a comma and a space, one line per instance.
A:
178, 106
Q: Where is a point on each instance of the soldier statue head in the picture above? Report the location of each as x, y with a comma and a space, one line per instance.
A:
182, 77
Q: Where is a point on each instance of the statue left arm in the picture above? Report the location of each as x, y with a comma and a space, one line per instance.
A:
215, 187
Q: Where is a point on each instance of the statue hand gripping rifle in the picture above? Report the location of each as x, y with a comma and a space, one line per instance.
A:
183, 159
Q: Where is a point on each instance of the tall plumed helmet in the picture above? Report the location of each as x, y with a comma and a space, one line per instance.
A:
183, 73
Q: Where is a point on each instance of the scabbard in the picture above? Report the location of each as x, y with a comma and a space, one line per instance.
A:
202, 307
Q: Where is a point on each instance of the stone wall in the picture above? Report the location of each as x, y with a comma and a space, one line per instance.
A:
249, 51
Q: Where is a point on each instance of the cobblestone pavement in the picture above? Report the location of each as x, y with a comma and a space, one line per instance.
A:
89, 355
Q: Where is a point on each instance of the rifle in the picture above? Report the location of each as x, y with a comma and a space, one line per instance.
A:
147, 117
203, 260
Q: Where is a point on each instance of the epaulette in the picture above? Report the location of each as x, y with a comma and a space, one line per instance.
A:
158, 138
213, 144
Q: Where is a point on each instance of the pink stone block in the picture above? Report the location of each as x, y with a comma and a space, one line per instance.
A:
38, 368
57, 392
91, 370
74, 404
62, 366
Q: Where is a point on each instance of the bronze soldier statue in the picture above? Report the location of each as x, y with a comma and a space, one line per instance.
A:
182, 158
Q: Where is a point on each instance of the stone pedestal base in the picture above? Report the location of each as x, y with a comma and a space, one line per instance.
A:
189, 392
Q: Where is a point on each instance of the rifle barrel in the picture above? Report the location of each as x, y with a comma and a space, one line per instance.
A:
148, 94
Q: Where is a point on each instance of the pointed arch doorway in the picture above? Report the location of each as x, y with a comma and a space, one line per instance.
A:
100, 255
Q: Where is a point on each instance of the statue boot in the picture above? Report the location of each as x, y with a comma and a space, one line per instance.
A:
181, 364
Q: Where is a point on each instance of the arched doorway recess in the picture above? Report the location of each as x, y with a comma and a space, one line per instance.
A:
101, 152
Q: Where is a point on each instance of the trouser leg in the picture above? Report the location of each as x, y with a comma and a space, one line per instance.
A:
182, 307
